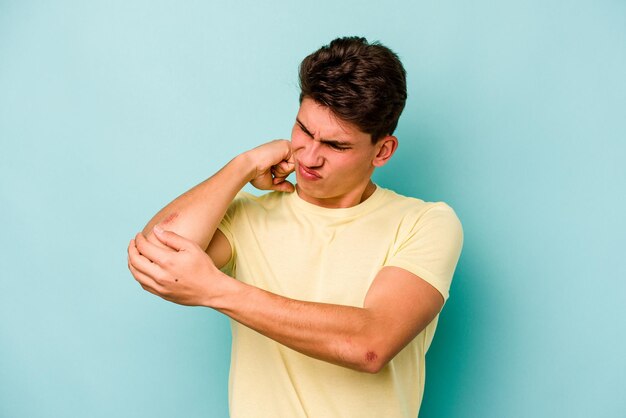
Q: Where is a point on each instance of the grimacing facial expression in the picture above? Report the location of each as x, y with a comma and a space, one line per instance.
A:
334, 160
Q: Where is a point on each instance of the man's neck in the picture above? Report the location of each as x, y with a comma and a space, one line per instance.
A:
345, 201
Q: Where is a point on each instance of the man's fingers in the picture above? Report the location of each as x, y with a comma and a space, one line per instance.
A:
141, 263
283, 186
151, 290
144, 280
151, 251
284, 168
172, 239
280, 172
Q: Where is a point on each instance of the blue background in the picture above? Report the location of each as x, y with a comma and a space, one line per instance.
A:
516, 118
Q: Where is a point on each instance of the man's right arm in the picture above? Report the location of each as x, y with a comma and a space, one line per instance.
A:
197, 213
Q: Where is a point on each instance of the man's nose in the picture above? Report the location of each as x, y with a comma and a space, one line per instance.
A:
311, 154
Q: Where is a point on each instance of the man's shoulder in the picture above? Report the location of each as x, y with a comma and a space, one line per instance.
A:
412, 205
426, 221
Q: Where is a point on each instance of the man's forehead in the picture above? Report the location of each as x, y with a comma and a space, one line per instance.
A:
319, 120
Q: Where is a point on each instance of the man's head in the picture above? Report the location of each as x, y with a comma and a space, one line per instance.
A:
361, 83
352, 94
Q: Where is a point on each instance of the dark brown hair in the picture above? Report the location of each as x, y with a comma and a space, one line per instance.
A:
362, 83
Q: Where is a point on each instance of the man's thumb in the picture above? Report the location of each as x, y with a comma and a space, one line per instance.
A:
169, 238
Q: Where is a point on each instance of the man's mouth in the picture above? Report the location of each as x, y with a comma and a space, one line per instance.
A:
308, 173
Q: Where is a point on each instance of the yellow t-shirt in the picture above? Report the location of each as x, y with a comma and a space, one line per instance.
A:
295, 249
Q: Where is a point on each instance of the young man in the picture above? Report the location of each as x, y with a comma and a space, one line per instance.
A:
333, 286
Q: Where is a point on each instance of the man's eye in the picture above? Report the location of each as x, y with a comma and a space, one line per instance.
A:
338, 147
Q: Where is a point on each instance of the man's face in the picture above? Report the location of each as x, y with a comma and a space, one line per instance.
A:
334, 160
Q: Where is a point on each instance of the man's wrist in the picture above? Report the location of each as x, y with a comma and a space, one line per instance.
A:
246, 165
225, 293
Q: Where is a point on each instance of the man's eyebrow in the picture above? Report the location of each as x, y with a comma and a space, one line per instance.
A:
306, 131
333, 142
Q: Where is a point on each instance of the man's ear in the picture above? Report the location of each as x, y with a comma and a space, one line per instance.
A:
386, 147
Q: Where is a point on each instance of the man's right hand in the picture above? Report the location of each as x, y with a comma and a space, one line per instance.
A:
272, 163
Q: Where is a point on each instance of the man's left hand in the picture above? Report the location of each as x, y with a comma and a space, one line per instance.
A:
181, 273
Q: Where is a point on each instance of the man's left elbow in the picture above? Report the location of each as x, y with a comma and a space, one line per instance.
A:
373, 362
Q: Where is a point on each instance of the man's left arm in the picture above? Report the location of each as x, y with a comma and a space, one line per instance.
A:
397, 307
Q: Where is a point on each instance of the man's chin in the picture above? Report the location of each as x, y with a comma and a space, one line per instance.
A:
316, 191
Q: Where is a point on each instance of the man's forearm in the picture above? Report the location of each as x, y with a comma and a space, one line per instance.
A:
197, 213
344, 335
396, 308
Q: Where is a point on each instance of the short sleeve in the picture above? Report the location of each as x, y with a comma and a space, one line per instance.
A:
429, 246
226, 227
